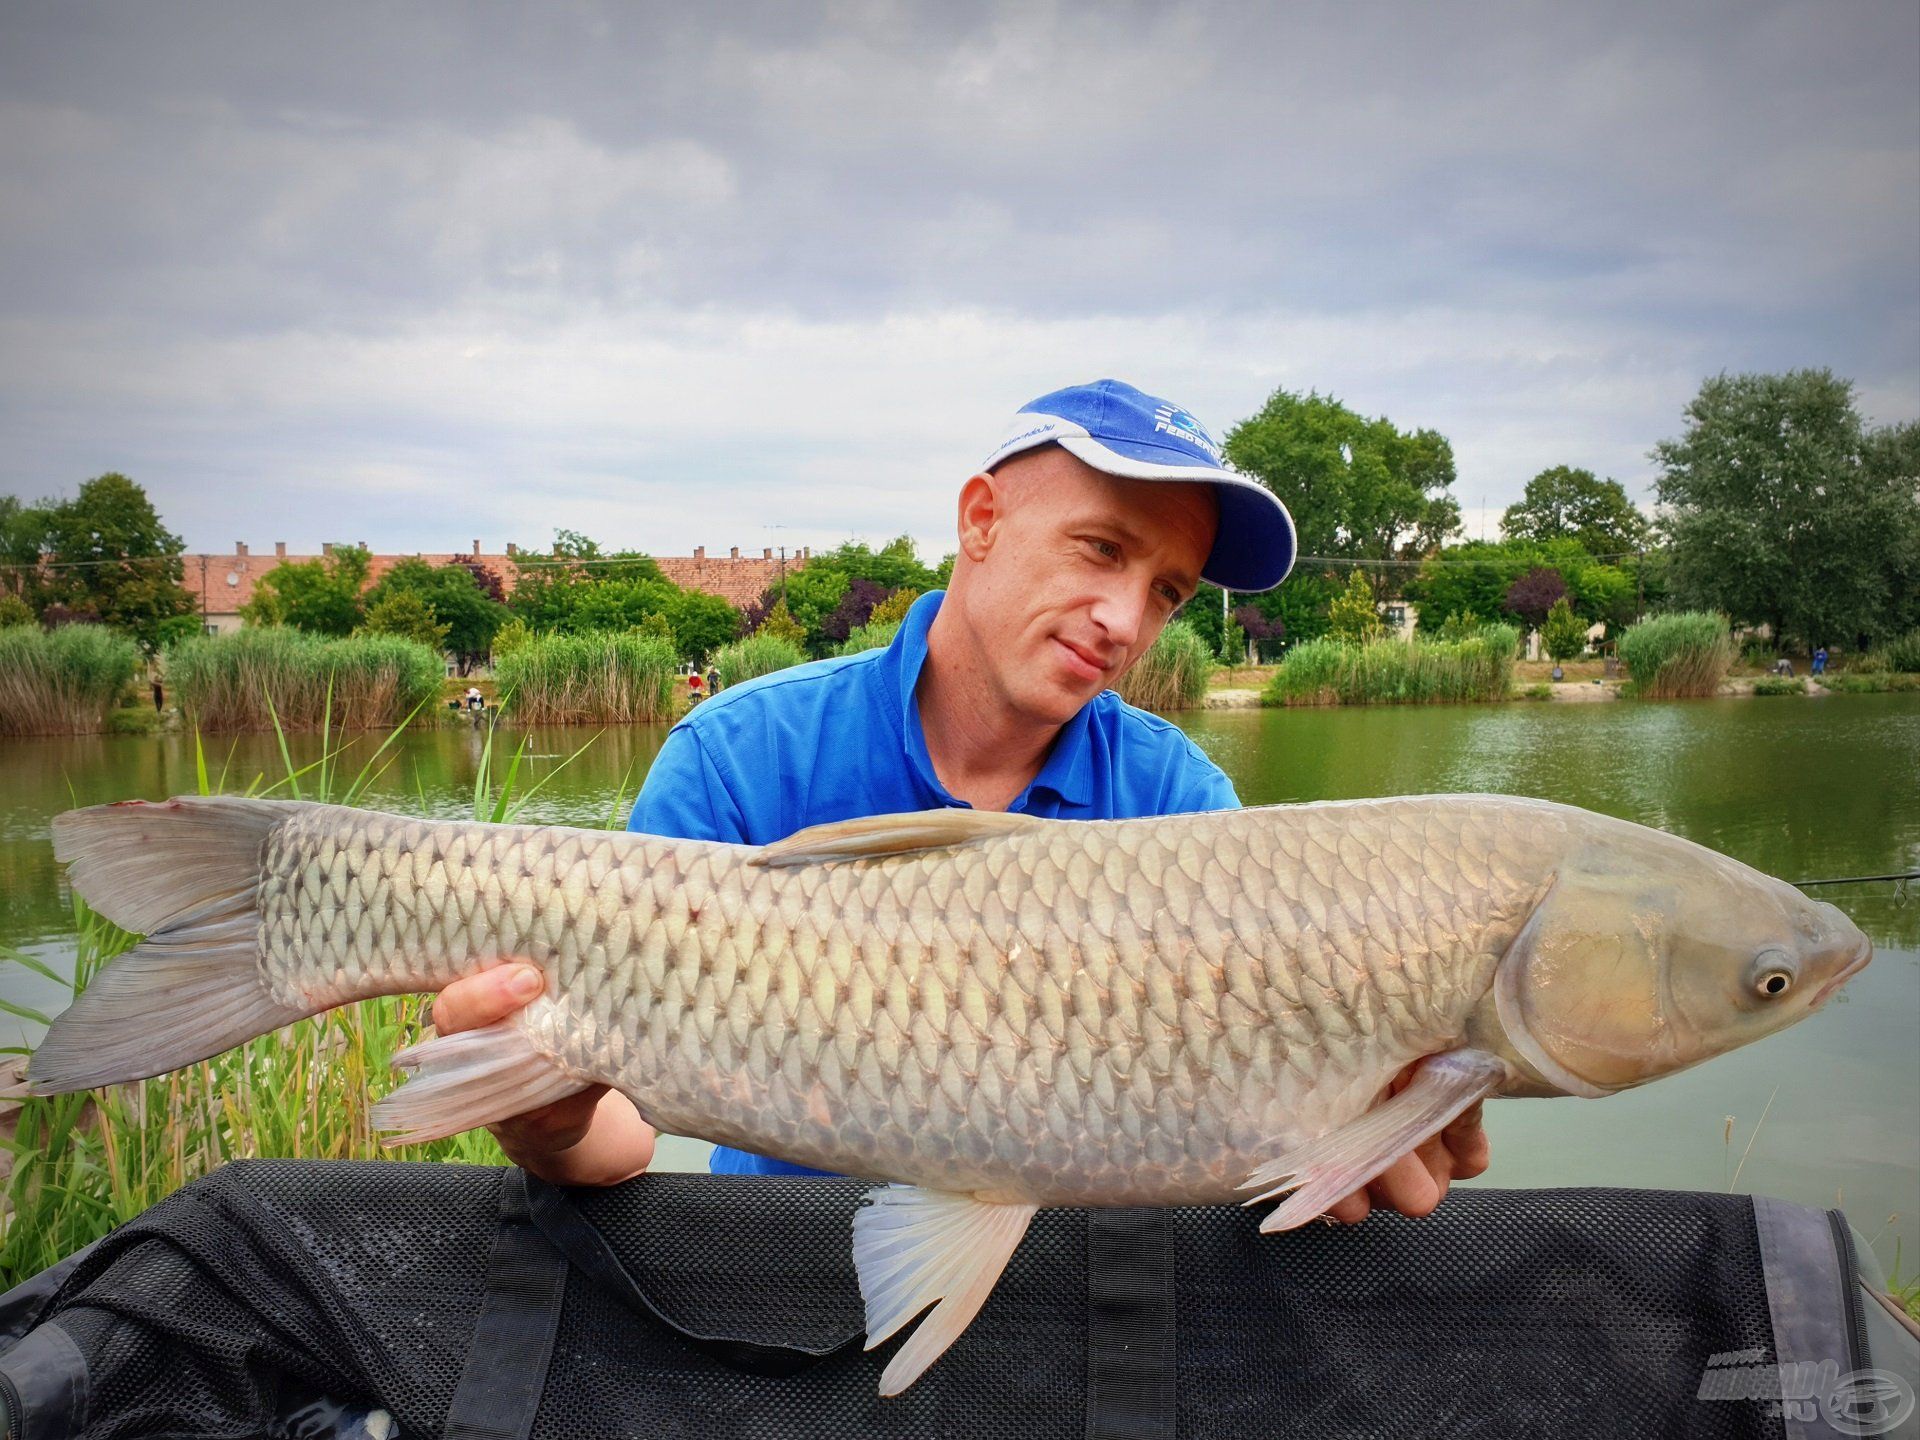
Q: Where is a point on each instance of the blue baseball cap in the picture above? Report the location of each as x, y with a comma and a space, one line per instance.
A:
1123, 431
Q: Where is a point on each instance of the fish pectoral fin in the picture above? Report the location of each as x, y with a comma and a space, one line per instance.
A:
1332, 1166
872, 836
470, 1079
912, 1247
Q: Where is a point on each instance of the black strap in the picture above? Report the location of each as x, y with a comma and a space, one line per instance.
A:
506, 1370
1130, 1359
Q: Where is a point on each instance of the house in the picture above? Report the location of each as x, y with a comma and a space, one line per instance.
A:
222, 584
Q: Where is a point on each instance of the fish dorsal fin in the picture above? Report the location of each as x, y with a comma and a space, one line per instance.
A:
872, 836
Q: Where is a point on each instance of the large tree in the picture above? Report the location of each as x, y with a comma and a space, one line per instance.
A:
109, 556
1358, 488
321, 596
1783, 509
1564, 503
454, 595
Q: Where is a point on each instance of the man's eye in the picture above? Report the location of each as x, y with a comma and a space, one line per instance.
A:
1106, 548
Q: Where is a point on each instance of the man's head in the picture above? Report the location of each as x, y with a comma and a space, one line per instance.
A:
1065, 576
1095, 519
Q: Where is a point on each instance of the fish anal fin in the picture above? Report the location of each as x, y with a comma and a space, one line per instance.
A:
1332, 1166
470, 1079
913, 1248
872, 836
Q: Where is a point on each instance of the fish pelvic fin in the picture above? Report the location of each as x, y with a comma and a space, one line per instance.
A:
873, 836
1334, 1165
913, 1248
185, 874
473, 1078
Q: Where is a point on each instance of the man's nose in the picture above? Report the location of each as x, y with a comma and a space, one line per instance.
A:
1120, 611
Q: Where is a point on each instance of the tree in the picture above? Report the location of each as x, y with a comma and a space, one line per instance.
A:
1534, 594
108, 555
855, 608
1354, 615
1562, 503
1478, 578
812, 595
1783, 509
407, 614
14, 611
779, 623
454, 593
321, 596
1564, 633
1357, 488
893, 566
701, 623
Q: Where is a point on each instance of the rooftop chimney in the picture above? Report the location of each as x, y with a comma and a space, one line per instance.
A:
280, 549
476, 549
767, 554
699, 552
734, 553
512, 549
240, 548
326, 547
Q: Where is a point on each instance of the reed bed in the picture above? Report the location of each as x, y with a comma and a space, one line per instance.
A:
84, 1163
1902, 653
755, 656
600, 677
1680, 656
1172, 675
868, 637
61, 682
273, 677
1477, 667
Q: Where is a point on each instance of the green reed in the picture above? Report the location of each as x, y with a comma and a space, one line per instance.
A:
755, 656
272, 677
602, 677
1419, 671
1680, 656
64, 681
1173, 674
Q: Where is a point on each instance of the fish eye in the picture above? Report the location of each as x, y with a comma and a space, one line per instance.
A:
1773, 976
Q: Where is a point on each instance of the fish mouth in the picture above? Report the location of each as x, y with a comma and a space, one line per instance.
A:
1854, 967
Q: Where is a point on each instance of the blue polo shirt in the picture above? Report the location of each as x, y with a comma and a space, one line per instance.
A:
841, 739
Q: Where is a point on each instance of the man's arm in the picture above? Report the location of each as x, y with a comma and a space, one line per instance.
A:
596, 1137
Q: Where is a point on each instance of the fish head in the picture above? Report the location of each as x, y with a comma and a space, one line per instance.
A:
1649, 954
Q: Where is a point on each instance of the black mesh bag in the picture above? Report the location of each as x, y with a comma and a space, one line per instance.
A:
289, 1298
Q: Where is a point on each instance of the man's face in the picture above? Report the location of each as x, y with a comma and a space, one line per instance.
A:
1075, 574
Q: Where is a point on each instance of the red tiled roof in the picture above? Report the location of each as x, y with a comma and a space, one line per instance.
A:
222, 584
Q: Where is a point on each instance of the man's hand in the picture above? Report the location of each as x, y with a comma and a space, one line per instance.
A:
1415, 1184
593, 1138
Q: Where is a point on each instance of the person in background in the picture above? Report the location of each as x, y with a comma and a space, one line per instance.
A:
693, 686
475, 700
1820, 661
713, 681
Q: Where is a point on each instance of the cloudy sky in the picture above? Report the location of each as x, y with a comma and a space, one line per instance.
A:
761, 274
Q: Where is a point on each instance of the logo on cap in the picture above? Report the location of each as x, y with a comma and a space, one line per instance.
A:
1170, 420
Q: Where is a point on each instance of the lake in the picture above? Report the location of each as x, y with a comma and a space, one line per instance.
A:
1799, 788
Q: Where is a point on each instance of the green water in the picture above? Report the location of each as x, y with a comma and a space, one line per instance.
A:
1799, 788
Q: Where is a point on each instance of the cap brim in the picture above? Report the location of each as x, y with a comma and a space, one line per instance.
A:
1255, 544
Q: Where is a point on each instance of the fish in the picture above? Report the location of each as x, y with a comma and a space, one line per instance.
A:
986, 1013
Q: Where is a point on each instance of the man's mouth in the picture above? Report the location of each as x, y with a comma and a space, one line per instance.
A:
1081, 663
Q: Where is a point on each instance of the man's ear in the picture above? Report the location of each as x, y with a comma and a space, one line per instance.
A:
982, 508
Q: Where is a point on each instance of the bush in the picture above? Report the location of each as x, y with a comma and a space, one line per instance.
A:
600, 677
1881, 683
761, 653
1676, 656
1353, 615
1172, 675
510, 637
1757, 654
1779, 685
1903, 653
1564, 634
874, 635
1542, 691
251, 679
61, 682
134, 720
1398, 672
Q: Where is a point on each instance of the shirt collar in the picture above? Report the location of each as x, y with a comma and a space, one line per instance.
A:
1067, 770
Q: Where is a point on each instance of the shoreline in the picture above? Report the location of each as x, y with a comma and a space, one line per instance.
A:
1563, 692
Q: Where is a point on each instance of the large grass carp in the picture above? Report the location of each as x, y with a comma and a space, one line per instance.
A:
991, 1011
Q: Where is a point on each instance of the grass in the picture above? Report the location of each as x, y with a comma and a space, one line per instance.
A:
1680, 656
1398, 672
86, 1162
1173, 674
275, 678
61, 682
1779, 685
1902, 653
1850, 682
1541, 691
603, 677
755, 656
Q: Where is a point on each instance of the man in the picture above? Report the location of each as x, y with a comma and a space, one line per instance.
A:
1091, 524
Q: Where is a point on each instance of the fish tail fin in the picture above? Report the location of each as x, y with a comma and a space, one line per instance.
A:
185, 874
